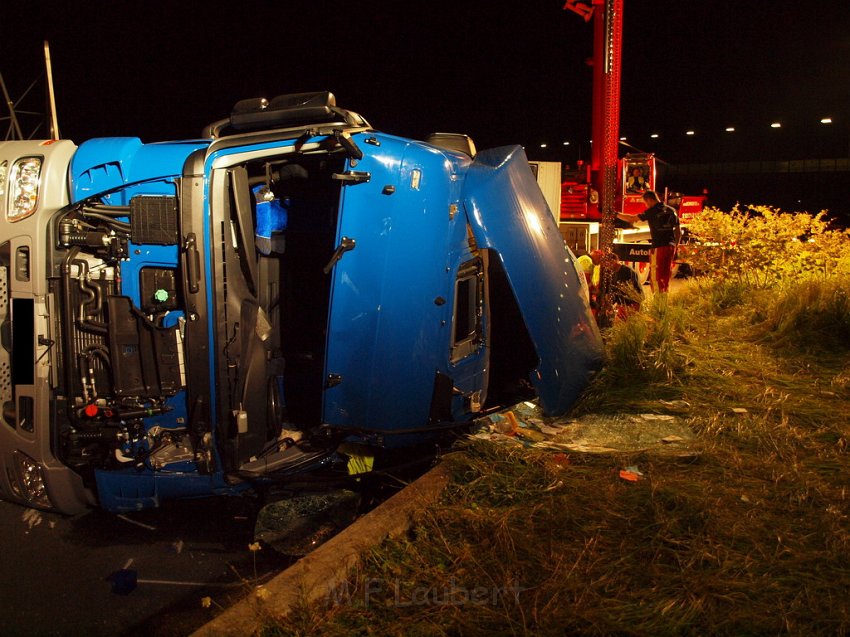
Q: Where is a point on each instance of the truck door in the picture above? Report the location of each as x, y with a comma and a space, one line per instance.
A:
270, 287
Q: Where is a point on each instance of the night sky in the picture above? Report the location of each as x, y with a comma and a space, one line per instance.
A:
503, 72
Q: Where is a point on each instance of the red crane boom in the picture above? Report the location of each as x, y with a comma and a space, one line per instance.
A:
607, 18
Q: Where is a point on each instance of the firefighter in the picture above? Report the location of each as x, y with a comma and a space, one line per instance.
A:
589, 265
627, 292
665, 234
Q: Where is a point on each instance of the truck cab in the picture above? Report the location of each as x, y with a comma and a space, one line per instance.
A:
193, 318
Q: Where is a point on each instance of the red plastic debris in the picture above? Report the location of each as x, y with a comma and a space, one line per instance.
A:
560, 460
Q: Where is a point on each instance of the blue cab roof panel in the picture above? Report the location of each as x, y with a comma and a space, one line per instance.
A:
103, 164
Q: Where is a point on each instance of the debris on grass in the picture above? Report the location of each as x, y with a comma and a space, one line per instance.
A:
631, 474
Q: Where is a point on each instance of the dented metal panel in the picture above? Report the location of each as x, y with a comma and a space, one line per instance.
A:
508, 213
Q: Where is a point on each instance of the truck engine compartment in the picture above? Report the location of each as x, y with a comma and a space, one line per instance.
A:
121, 373
121, 358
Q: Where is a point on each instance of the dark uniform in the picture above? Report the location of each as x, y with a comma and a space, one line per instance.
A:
664, 230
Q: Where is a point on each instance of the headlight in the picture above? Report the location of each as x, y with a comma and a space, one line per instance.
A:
24, 182
30, 481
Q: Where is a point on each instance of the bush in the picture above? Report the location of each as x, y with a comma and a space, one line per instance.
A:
762, 246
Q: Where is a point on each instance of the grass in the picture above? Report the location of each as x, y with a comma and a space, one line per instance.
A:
750, 538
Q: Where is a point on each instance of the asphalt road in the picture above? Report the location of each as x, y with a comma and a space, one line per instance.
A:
55, 571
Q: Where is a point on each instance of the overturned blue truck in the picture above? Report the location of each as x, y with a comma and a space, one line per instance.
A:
191, 318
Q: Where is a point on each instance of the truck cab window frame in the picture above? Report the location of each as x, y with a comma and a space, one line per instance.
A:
467, 327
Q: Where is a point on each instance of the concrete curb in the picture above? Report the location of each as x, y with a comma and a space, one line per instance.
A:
315, 575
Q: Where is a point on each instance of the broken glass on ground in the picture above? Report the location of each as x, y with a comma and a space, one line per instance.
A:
297, 525
662, 433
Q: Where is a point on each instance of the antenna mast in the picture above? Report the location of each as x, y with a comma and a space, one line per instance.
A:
54, 120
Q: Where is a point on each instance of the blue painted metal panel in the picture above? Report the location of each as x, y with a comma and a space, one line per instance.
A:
390, 320
103, 164
508, 213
